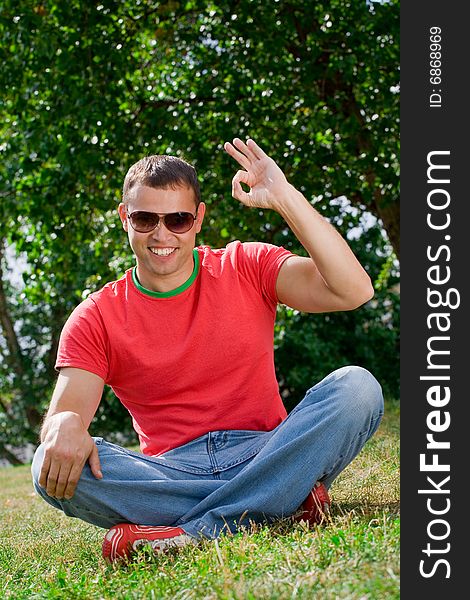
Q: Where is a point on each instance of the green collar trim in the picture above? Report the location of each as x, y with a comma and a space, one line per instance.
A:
174, 292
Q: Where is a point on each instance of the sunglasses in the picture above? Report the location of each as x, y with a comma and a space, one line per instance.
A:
145, 222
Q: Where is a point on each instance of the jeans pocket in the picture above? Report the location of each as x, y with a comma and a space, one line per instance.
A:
240, 446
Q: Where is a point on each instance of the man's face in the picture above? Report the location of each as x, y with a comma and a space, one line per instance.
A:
164, 259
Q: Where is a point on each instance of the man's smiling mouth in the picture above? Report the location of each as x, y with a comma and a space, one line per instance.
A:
162, 251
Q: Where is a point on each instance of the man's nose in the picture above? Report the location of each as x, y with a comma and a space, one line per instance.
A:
160, 229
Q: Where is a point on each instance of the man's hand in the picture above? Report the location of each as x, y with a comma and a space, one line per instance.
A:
266, 180
332, 278
67, 447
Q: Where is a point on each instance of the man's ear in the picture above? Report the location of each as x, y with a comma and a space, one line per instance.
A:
201, 211
122, 210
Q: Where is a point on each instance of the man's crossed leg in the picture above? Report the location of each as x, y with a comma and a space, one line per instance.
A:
225, 479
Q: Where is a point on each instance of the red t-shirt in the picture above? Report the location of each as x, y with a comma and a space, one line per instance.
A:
197, 360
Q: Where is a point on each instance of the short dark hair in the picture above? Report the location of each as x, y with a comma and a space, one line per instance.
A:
161, 171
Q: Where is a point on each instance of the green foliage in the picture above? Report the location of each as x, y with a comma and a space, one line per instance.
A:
88, 88
311, 346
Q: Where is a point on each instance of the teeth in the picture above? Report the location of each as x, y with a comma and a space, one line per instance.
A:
162, 251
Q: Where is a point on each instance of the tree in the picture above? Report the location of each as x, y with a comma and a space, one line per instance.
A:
91, 87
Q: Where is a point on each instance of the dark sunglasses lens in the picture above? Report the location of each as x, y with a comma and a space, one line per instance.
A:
179, 222
143, 221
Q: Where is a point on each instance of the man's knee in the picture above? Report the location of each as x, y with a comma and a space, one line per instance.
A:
79, 505
349, 391
36, 467
360, 382
362, 392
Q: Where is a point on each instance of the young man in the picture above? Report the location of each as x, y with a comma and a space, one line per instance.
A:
185, 340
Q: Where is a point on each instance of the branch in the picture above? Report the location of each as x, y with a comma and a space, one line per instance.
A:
15, 357
4, 406
7, 194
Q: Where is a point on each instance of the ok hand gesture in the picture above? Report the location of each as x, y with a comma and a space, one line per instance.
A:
265, 179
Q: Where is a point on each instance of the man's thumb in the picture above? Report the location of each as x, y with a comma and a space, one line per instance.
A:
237, 191
94, 462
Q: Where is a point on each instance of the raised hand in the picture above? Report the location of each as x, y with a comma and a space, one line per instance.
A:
265, 179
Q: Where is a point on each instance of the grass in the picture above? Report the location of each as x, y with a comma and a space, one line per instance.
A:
44, 554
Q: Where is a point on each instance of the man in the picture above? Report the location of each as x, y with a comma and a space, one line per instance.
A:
185, 340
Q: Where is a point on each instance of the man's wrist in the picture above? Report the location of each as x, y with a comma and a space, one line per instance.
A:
56, 418
287, 199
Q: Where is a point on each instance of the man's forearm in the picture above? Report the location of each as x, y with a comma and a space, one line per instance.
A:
332, 256
76, 396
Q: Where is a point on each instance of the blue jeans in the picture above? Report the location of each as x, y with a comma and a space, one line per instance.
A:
225, 479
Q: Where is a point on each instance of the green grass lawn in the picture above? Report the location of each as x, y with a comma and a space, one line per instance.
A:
355, 555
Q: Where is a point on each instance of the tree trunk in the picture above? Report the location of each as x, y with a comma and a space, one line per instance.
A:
9, 456
14, 352
389, 214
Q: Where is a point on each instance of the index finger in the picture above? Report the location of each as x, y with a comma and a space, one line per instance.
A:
46, 464
237, 155
72, 480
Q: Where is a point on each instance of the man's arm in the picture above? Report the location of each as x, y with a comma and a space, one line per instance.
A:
67, 443
332, 278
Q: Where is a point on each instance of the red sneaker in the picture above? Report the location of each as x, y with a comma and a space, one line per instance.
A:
124, 539
316, 505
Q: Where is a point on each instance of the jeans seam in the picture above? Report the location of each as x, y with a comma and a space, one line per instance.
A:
372, 423
155, 460
84, 509
211, 450
359, 435
244, 458
184, 469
